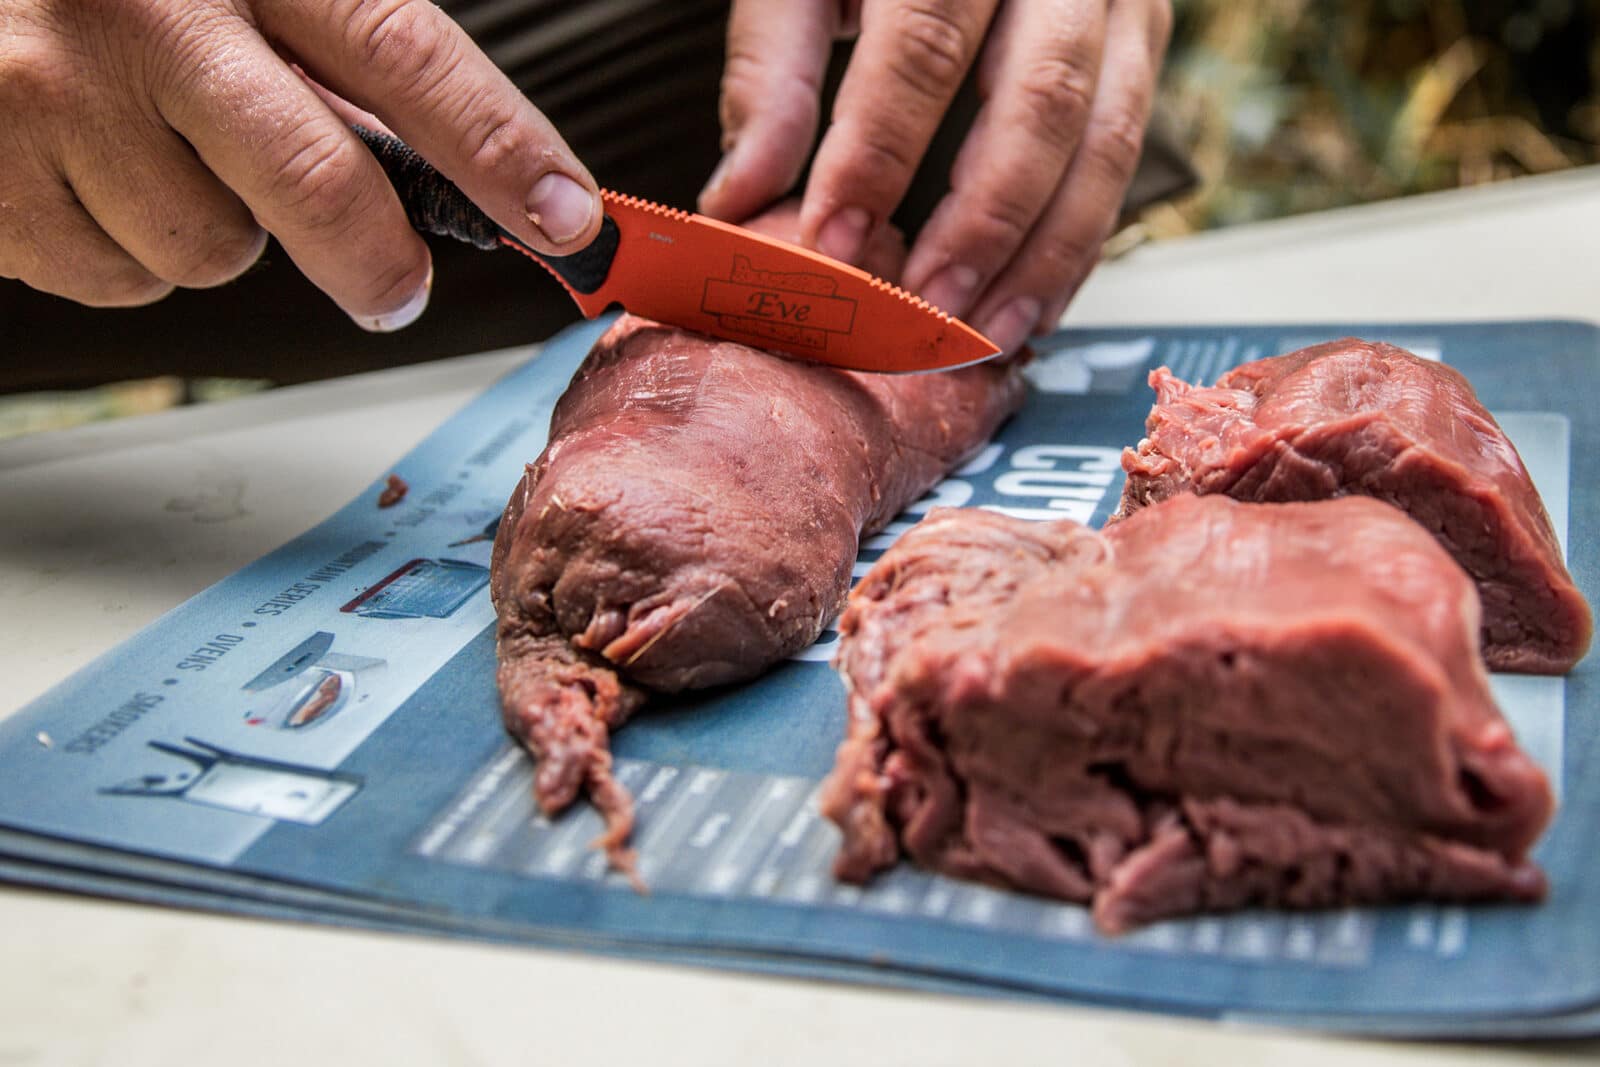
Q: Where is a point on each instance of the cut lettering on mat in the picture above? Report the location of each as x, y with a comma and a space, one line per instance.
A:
1039, 482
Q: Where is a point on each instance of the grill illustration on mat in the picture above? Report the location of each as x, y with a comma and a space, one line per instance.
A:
219, 778
421, 588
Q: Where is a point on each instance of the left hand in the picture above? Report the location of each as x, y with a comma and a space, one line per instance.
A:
1036, 187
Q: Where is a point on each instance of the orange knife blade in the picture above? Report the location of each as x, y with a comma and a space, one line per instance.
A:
698, 273
715, 278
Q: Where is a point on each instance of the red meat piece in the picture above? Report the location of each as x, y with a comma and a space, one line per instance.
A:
1206, 706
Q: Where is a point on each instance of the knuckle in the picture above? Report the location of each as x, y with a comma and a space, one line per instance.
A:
882, 159
405, 47
224, 253
48, 244
1055, 94
116, 284
34, 75
192, 55
793, 119
397, 40
935, 47
744, 72
1119, 142
741, 88
318, 182
792, 109
1003, 222
492, 143
1069, 255
394, 282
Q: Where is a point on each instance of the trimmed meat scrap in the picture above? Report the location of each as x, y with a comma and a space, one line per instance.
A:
1206, 706
692, 521
395, 489
1349, 417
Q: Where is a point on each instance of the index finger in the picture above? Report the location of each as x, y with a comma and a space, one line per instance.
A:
408, 63
906, 67
771, 83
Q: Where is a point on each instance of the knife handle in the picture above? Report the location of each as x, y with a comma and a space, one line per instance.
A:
435, 205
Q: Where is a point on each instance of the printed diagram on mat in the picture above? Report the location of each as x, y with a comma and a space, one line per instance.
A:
421, 588
216, 777
309, 685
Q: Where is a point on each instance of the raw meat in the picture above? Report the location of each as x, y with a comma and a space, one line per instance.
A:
395, 489
1206, 706
1353, 417
693, 521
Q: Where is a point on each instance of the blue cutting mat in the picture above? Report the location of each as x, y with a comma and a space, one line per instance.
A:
407, 809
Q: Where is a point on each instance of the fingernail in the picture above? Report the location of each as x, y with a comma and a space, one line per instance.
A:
952, 289
560, 207
844, 235
404, 315
714, 184
1010, 326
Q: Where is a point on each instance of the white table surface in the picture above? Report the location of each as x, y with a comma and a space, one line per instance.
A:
104, 528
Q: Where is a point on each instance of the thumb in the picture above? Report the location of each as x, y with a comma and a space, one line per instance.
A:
408, 63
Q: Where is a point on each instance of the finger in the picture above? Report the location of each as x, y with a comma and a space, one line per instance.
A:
1040, 70
348, 113
151, 194
409, 64
303, 174
905, 69
1032, 290
770, 104
66, 253
47, 240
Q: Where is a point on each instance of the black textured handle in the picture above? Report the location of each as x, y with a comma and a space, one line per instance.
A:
435, 205
432, 201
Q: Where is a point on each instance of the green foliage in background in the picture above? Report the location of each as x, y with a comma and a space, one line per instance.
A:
1299, 105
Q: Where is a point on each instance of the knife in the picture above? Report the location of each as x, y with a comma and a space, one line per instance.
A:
700, 274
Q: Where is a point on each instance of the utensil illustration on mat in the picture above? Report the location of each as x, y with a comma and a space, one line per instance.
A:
219, 778
310, 684
484, 536
421, 588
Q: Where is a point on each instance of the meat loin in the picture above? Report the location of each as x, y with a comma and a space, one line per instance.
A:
1350, 417
694, 520
1206, 706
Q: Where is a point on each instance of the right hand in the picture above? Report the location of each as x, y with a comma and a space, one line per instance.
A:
1036, 188
149, 144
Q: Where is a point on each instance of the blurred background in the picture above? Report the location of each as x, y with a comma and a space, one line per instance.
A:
1289, 106
1283, 107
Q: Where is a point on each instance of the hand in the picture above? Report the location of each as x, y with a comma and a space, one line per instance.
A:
1037, 184
154, 143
